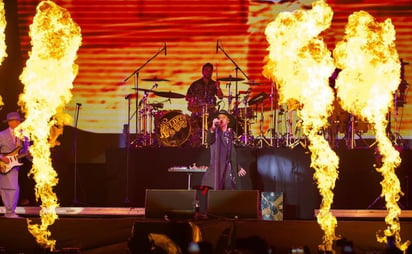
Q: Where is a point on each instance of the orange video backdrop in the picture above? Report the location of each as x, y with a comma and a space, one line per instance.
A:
121, 37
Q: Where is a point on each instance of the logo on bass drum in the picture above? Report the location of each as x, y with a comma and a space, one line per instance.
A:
174, 129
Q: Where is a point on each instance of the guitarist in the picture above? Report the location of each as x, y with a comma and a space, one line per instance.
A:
9, 184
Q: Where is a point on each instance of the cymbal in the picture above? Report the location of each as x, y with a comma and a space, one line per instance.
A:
154, 79
253, 83
230, 79
169, 95
258, 98
144, 90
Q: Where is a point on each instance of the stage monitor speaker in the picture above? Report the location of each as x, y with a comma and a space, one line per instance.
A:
233, 203
170, 203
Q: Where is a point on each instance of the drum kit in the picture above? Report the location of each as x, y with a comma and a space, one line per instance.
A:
173, 128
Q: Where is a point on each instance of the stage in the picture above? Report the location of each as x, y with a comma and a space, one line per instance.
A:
104, 179
110, 198
109, 230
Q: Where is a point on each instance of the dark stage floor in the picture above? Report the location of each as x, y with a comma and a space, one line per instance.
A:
107, 230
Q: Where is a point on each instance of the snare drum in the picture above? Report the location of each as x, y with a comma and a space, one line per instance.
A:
172, 129
197, 105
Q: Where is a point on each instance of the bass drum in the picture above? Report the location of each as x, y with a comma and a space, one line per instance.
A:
173, 129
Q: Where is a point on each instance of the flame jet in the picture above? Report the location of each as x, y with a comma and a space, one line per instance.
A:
3, 24
3, 46
370, 74
300, 64
47, 79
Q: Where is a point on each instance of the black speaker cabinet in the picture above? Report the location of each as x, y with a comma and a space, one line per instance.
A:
233, 203
169, 202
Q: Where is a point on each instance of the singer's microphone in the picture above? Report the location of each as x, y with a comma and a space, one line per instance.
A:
217, 46
128, 96
79, 104
165, 49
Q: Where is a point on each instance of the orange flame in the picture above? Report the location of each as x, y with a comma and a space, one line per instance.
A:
60, 119
301, 65
48, 78
370, 74
3, 46
3, 23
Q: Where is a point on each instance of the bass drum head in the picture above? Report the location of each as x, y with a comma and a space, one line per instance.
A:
173, 129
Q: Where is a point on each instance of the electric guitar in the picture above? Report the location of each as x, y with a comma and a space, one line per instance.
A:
13, 157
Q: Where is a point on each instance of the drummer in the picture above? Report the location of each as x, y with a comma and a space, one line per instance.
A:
201, 96
203, 92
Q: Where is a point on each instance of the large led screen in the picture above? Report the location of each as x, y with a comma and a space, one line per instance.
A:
147, 53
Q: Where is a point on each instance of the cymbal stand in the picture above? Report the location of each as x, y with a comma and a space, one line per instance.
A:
298, 137
205, 116
246, 129
150, 122
236, 107
281, 115
144, 114
399, 100
229, 96
289, 127
237, 69
350, 133
135, 74
273, 129
261, 136
149, 118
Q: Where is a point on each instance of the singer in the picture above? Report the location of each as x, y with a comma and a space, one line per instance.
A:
224, 170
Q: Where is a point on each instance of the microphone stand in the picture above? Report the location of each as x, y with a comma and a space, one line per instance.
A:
216, 161
136, 113
126, 199
76, 118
